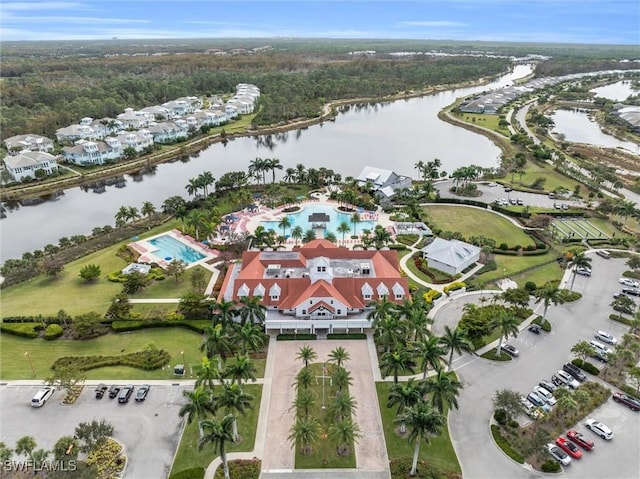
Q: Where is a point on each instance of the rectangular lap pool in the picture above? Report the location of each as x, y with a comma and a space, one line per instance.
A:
300, 218
169, 248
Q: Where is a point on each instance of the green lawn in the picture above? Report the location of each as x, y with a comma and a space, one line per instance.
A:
509, 265
315, 459
547, 272
476, 222
553, 179
486, 121
16, 366
440, 452
169, 288
189, 455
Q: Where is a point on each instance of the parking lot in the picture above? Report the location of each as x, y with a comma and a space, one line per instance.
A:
540, 356
149, 430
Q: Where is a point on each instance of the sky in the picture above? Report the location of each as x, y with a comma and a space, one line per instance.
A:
565, 21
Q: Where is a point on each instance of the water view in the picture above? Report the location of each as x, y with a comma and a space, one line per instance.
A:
619, 91
577, 127
393, 135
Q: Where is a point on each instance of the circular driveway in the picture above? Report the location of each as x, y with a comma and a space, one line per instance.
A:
540, 356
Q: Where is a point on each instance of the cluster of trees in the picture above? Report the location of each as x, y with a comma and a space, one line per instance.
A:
336, 423
88, 436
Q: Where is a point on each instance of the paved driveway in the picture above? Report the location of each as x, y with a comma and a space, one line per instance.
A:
150, 430
540, 356
371, 454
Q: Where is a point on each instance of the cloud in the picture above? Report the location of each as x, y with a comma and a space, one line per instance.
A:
433, 23
31, 6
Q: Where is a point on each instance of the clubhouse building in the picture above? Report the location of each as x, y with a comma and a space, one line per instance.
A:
317, 288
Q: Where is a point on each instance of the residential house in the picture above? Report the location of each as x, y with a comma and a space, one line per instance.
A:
31, 142
133, 120
158, 113
26, 163
385, 183
72, 133
183, 106
138, 140
106, 126
450, 256
167, 132
93, 152
319, 287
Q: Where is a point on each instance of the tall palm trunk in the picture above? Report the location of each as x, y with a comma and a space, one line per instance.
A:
223, 457
414, 464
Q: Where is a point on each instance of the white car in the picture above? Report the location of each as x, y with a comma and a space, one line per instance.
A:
600, 429
567, 379
606, 337
583, 271
492, 184
558, 454
629, 282
546, 395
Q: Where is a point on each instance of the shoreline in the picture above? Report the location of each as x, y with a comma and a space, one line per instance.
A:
327, 113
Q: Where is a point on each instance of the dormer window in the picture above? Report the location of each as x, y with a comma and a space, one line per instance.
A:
274, 292
367, 292
382, 290
398, 291
243, 291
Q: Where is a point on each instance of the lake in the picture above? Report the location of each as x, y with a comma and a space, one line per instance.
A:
618, 91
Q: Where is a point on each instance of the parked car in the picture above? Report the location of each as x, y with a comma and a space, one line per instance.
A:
575, 371
629, 282
520, 202
100, 389
42, 396
566, 379
125, 394
546, 395
141, 393
551, 196
558, 454
565, 206
599, 428
606, 337
548, 386
580, 439
631, 291
569, 447
507, 189
511, 350
492, 184
598, 346
530, 409
513, 201
583, 271
534, 328
604, 253
631, 402
537, 401
114, 390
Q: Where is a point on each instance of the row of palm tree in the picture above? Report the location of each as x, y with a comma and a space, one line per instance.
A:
260, 166
131, 213
201, 182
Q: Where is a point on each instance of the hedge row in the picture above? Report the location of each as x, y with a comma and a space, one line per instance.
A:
586, 365
622, 319
24, 330
53, 331
294, 337
346, 336
196, 325
504, 445
147, 360
32, 319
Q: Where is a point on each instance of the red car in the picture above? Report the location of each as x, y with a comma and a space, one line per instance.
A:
580, 440
569, 447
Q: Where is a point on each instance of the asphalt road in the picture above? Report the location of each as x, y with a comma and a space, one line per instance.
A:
149, 430
540, 356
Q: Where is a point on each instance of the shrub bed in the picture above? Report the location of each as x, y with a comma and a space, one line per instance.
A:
546, 326
586, 365
550, 466
193, 473
24, 330
401, 467
346, 336
241, 468
295, 337
407, 239
504, 445
53, 331
453, 287
147, 360
491, 354
109, 459
196, 325
570, 296
621, 319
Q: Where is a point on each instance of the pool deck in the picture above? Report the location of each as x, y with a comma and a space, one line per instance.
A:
146, 249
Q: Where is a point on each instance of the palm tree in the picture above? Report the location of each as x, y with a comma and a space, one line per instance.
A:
342, 406
549, 294
285, 222
355, 219
216, 341
339, 356
430, 350
423, 422
233, 399
273, 164
121, 218
193, 186
252, 310
301, 173
381, 236
390, 332
218, 433
242, 369
508, 324
250, 337
624, 209
341, 378
257, 169
296, 233
199, 221
455, 341
223, 312
206, 179
331, 237
148, 210
306, 354
206, 373
305, 432
304, 379
260, 237
404, 395
309, 235
303, 402
444, 389
395, 362
343, 433
579, 260
381, 309
343, 228
199, 404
